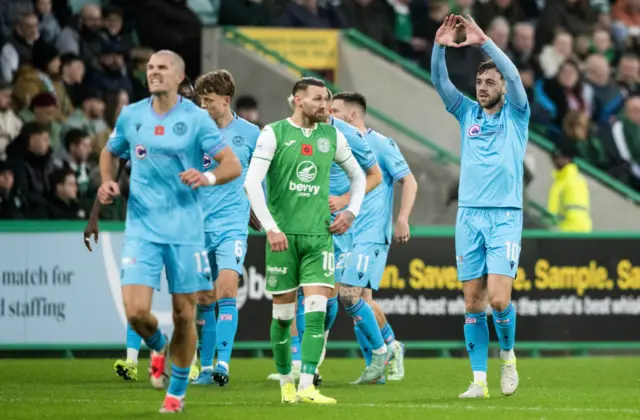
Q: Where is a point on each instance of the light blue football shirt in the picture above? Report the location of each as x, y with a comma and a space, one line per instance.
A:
161, 209
374, 223
339, 182
226, 207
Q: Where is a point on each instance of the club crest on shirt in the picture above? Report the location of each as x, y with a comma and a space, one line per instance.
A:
323, 145
179, 128
238, 141
474, 130
207, 161
141, 152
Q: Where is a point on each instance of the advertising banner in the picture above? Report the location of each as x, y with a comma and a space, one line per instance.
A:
54, 292
313, 49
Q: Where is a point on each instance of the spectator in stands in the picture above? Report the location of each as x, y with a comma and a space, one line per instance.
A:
370, 18
247, 108
607, 97
527, 75
84, 38
43, 110
185, 35
499, 31
602, 45
626, 134
462, 7
563, 93
628, 75
75, 156
31, 159
18, 49
522, 44
114, 102
313, 14
575, 16
569, 195
63, 202
8, 208
73, 71
244, 13
111, 75
486, 12
552, 56
10, 124
49, 27
43, 75
10, 12
426, 20
626, 17
11, 198
138, 72
113, 28
90, 116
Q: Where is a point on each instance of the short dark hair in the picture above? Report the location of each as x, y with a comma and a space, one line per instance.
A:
246, 102
219, 82
485, 66
630, 56
59, 176
69, 58
187, 89
304, 83
74, 137
31, 129
352, 98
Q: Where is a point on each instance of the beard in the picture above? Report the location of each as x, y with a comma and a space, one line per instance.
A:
493, 101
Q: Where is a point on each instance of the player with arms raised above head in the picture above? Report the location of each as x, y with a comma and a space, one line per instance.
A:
226, 210
166, 137
296, 155
372, 238
494, 133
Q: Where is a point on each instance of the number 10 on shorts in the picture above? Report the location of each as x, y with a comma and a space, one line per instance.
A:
513, 251
328, 261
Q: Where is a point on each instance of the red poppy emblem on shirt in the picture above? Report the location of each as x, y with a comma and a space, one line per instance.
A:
307, 150
159, 131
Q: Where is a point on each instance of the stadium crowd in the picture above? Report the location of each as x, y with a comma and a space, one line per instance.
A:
65, 77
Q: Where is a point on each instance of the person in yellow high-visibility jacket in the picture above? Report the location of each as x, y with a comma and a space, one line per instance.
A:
569, 195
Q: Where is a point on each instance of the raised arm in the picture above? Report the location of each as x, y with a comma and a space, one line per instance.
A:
516, 93
439, 74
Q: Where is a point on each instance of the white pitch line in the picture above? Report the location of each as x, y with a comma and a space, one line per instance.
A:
478, 407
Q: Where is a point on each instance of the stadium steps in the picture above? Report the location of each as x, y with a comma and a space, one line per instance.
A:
363, 63
435, 168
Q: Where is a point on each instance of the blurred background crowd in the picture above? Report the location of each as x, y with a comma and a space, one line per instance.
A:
69, 66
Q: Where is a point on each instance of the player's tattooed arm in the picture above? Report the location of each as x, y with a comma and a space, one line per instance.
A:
402, 233
349, 295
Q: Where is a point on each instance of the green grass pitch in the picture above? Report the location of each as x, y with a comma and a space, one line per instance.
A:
550, 388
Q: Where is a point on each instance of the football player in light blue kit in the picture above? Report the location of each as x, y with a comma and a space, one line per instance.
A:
166, 137
494, 133
226, 210
127, 369
338, 200
372, 235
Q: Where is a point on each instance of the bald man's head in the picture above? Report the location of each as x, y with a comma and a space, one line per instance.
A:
91, 17
165, 72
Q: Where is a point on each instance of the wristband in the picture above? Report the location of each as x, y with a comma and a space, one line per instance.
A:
211, 178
